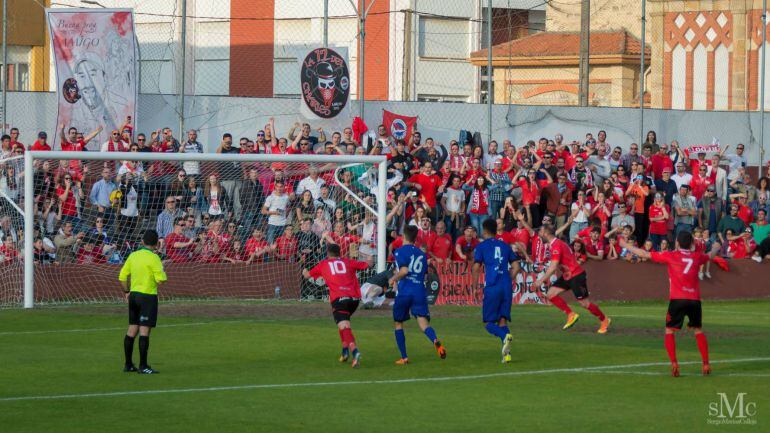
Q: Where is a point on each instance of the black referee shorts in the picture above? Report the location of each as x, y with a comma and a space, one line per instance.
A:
679, 308
142, 309
578, 284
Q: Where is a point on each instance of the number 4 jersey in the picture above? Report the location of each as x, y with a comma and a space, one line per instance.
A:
416, 261
683, 269
340, 275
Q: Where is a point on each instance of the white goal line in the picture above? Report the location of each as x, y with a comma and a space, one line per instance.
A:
593, 369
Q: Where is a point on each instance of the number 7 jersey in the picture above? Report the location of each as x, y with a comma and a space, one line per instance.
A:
683, 269
340, 275
416, 261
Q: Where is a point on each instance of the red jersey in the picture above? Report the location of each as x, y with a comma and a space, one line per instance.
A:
540, 253
396, 244
594, 248
340, 276
429, 185
658, 227
344, 242
425, 238
252, 245
37, 146
177, 255
285, 247
466, 247
93, 257
529, 194
746, 214
521, 235
441, 246
506, 237
8, 255
562, 254
68, 205
682, 272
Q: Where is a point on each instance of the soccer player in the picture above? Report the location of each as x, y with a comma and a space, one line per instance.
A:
146, 272
495, 255
684, 292
573, 277
373, 290
344, 294
411, 296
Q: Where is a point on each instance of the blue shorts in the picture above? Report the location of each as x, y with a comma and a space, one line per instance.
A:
497, 303
416, 303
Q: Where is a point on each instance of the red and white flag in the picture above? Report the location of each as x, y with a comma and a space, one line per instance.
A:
400, 127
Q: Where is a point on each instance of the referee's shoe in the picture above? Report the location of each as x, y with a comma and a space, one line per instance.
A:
147, 370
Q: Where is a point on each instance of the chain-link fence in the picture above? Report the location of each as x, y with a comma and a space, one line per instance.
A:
544, 53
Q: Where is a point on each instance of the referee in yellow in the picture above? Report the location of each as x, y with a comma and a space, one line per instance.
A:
146, 272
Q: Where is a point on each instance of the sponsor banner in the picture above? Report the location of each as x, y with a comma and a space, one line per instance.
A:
456, 286
95, 55
400, 127
325, 81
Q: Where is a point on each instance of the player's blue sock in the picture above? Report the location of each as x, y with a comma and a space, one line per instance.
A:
431, 334
355, 352
495, 330
401, 342
505, 330
345, 351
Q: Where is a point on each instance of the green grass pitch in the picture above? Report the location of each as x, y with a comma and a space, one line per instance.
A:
251, 367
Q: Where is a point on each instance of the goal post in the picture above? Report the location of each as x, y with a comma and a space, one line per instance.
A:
374, 206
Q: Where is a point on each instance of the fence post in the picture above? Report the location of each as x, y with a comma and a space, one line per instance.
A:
642, 138
29, 231
5, 63
183, 38
489, 72
326, 23
762, 91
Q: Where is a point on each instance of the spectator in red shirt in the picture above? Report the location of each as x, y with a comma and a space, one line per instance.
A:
236, 253
15, 143
594, 244
179, 248
285, 246
440, 249
425, 236
428, 183
504, 235
579, 250
659, 216
8, 252
744, 211
41, 144
257, 248
90, 252
660, 161
465, 244
66, 192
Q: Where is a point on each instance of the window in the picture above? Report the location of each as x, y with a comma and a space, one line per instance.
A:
212, 58
444, 38
18, 77
157, 45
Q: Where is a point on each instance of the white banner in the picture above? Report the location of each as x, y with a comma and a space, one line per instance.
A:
96, 58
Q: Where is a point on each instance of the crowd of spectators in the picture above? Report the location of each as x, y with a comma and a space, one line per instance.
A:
593, 192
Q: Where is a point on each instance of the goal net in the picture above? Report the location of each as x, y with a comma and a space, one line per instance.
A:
237, 226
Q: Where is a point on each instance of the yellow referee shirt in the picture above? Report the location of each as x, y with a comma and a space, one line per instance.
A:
146, 271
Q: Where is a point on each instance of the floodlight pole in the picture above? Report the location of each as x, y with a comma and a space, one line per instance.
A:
642, 138
362, 53
184, 67
5, 64
762, 92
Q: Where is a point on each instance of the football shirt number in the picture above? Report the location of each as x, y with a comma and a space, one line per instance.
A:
415, 266
337, 267
688, 265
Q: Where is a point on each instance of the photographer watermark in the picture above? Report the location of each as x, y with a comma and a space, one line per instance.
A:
732, 409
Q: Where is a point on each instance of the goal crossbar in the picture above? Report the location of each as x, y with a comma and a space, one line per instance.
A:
29, 192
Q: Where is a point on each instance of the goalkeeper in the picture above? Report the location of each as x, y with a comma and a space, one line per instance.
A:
146, 272
376, 289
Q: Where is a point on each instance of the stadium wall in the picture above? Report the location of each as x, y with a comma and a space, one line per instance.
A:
616, 281
215, 115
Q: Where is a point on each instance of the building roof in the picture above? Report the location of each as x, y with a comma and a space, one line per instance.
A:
566, 44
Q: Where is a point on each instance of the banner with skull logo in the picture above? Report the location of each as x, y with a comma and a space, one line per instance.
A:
325, 83
95, 56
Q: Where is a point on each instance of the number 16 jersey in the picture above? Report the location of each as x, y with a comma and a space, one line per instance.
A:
416, 261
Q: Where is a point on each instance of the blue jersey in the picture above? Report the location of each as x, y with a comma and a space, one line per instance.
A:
416, 261
495, 255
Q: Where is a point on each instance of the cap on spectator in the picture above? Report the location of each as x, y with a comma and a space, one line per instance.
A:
42, 134
701, 153
150, 238
711, 188
748, 230
658, 196
667, 170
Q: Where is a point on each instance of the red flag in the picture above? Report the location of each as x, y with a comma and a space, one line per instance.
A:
400, 127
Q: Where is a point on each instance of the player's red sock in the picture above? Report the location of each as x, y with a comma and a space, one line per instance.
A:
670, 343
342, 338
594, 309
347, 337
559, 303
703, 346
